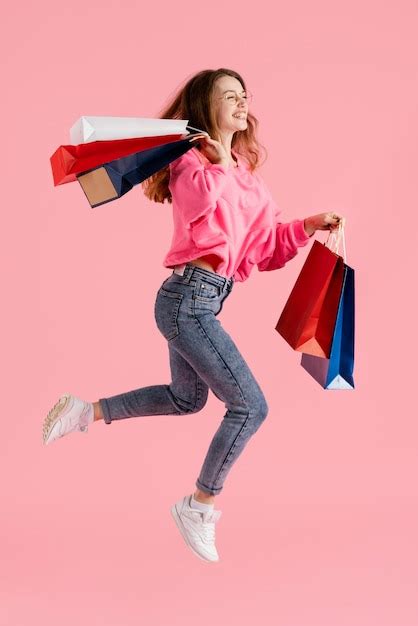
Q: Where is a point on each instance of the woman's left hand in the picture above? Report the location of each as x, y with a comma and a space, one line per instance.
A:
322, 221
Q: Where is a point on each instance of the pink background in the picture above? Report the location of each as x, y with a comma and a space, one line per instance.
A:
320, 513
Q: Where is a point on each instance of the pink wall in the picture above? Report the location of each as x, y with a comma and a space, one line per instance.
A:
320, 512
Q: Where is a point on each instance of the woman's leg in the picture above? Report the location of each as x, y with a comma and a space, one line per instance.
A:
185, 311
202, 356
187, 393
186, 384
222, 367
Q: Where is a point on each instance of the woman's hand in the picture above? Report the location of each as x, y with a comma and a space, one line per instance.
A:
212, 149
322, 221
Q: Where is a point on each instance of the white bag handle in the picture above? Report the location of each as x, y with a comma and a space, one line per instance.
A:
199, 132
334, 239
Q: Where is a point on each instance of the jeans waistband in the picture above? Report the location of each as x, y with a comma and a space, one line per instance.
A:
190, 271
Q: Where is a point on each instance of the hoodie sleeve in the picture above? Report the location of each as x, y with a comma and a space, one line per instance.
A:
283, 245
284, 240
195, 185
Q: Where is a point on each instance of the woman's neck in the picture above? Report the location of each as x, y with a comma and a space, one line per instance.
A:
226, 140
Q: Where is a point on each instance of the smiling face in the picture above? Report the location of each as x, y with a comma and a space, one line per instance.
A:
230, 117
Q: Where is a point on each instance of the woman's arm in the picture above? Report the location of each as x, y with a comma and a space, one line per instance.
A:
286, 239
195, 186
289, 237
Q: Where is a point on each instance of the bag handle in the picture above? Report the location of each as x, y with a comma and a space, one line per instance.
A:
334, 239
198, 131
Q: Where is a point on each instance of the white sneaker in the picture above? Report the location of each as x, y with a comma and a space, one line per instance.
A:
197, 528
67, 415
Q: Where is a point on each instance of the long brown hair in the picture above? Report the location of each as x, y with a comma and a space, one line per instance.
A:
193, 102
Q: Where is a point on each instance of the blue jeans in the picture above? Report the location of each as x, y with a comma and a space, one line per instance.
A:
202, 356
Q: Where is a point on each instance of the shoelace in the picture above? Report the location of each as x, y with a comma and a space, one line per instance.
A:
207, 528
208, 532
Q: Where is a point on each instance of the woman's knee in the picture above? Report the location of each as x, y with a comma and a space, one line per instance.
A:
253, 409
201, 400
259, 410
194, 406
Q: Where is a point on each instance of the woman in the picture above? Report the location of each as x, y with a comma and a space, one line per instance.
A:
225, 221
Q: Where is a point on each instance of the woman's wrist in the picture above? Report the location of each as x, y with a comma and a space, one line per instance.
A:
309, 227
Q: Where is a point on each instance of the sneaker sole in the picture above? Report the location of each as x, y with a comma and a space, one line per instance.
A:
181, 528
59, 408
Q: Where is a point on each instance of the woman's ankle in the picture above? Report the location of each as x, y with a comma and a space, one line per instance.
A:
98, 413
202, 496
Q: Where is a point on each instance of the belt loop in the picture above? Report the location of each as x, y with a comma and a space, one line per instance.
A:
225, 285
188, 270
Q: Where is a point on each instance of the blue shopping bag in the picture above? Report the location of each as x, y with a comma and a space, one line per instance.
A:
337, 371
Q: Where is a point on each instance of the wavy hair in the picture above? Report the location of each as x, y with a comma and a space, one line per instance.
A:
192, 102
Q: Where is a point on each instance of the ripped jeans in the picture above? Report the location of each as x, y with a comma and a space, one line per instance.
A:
202, 356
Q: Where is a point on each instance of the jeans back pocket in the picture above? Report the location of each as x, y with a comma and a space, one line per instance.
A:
166, 312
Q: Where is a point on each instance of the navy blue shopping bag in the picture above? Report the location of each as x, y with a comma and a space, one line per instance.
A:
337, 371
112, 180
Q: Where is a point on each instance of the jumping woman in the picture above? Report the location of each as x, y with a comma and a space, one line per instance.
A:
225, 222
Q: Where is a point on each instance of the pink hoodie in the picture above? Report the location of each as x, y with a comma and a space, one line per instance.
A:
230, 213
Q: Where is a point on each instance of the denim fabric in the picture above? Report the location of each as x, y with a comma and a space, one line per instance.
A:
202, 356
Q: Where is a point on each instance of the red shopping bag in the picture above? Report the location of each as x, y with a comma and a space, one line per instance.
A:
68, 161
308, 318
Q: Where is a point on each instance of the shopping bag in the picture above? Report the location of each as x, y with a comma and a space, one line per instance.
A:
308, 318
113, 180
337, 371
101, 128
69, 160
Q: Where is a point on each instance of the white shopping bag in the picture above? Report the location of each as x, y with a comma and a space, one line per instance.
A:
100, 128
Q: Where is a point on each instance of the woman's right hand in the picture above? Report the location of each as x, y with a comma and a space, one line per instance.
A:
323, 221
212, 149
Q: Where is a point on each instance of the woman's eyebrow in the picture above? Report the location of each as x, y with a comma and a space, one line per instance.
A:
232, 90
